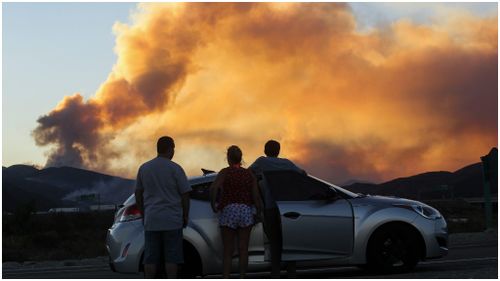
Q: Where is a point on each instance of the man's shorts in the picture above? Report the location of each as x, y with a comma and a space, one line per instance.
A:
237, 216
168, 242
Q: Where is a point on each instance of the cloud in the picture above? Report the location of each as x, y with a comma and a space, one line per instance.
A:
73, 126
400, 99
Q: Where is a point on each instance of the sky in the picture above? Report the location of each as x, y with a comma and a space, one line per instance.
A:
368, 91
51, 50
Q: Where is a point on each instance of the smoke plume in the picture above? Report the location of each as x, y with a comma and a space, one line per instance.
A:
400, 99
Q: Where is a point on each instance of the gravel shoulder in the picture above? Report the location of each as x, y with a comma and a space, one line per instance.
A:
473, 238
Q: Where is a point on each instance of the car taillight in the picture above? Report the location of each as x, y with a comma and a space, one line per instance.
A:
131, 213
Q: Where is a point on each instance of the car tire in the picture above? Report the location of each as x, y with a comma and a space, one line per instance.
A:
393, 249
192, 267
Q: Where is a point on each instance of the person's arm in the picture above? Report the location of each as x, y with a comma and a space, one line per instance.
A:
256, 167
139, 193
257, 170
214, 188
185, 209
184, 190
256, 195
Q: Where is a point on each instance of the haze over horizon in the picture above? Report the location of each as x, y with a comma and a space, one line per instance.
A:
395, 99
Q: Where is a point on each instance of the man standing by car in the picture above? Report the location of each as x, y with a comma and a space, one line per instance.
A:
162, 195
272, 216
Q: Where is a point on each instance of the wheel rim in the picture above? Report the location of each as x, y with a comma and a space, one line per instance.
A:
392, 251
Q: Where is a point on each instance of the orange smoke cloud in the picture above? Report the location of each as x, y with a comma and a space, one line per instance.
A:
403, 99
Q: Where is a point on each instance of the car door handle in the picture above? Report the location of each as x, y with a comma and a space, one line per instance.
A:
292, 215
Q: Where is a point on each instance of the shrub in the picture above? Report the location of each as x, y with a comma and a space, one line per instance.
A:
54, 236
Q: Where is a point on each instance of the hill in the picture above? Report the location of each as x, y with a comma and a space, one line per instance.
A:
58, 187
463, 183
64, 186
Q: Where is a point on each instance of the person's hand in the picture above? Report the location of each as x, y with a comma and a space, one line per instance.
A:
258, 216
214, 209
185, 221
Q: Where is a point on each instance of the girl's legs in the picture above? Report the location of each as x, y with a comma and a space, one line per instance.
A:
244, 238
228, 242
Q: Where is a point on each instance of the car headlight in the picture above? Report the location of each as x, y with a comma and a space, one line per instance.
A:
425, 211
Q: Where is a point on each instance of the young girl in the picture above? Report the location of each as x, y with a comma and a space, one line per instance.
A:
238, 198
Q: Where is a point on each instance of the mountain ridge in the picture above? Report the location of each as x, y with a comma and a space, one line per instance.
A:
464, 182
64, 186
60, 186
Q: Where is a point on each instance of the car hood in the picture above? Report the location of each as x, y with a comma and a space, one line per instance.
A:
383, 200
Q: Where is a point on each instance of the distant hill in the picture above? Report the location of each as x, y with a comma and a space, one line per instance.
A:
58, 187
353, 181
18, 171
463, 183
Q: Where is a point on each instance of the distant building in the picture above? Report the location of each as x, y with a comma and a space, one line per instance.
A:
84, 209
64, 210
107, 207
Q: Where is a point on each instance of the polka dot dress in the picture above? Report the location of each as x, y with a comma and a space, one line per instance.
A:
236, 203
237, 215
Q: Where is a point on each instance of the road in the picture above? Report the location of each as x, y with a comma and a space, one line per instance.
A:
465, 261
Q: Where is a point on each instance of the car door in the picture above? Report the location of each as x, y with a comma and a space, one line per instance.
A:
317, 223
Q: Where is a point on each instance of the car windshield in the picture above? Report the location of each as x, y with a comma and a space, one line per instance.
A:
338, 188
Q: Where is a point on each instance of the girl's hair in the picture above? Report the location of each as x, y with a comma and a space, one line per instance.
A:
234, 154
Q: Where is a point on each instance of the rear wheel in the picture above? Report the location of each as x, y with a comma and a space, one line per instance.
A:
393, 248
191, 268
192, 263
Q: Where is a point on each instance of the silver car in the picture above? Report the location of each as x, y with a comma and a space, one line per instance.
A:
322, 224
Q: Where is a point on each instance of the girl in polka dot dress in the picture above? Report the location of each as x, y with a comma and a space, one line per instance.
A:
239, 200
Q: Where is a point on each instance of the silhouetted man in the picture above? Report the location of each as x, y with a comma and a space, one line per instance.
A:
162, 194
272, 216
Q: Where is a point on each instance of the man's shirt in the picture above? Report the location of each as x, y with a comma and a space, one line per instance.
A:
263, 164
163, 182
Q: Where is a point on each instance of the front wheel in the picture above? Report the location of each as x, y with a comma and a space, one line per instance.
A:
393, 249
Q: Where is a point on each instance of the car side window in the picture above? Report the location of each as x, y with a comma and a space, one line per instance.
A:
294, 186
201, 191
